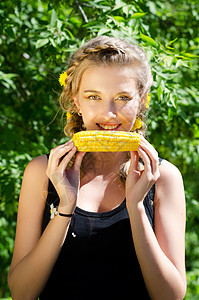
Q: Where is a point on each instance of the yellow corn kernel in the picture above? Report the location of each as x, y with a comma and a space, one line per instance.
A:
106, 141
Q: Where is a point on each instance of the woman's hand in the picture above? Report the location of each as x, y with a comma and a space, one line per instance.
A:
139, 182
66, 181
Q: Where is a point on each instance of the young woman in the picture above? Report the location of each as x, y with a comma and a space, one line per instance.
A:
122, 233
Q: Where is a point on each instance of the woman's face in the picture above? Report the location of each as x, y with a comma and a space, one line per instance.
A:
108, 98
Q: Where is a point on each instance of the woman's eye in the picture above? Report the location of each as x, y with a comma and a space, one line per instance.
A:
123, 98
93, 97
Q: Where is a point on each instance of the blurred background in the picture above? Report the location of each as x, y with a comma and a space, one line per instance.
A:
36, 40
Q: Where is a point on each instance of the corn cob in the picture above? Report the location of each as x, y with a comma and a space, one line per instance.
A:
106, 141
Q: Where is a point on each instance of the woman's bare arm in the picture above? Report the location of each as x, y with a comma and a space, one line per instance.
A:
34, 255
161, 254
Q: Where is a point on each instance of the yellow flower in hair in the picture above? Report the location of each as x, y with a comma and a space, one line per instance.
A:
62, 79
137, 124
68, 115
148, 99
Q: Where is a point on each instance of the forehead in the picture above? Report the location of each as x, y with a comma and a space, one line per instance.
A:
105, 77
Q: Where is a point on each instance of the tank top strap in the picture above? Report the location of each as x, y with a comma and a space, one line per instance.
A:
148, 205
149, 201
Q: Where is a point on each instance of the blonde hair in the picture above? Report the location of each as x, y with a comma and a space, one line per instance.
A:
108, 51
103, 50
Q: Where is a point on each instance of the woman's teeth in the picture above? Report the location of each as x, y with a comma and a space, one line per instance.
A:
108, 127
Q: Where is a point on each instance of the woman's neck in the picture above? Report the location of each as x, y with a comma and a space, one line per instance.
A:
103, 163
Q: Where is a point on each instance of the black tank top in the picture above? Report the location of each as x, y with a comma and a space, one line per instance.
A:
100, 261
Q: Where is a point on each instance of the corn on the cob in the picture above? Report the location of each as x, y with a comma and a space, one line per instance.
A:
106, 141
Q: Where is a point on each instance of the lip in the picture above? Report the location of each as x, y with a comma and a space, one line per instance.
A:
108, 124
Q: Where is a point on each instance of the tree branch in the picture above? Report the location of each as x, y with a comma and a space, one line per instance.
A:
82, 11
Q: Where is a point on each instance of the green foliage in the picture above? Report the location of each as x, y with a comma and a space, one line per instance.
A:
36, 40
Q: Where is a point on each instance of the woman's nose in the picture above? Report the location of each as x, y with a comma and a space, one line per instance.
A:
109, 111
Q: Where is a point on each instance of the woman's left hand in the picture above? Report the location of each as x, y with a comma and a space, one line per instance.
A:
139, 182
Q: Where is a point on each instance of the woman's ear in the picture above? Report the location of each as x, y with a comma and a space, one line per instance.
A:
76, 101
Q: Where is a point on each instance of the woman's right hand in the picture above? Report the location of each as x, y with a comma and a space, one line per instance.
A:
66, 181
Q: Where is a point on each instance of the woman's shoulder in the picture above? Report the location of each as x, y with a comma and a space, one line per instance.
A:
170, 180
37, 164
35, 172
168, 171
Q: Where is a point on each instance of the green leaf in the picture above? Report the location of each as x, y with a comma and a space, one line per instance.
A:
183, 116
59, 24
168, 61
53, 42
103, 31
180, 62
126, 10
170, 114
119, 18
148, 39
7, 75
173, 100
70, 34
171, 42
119, 4
138, 15
104, 5
53, 18
152, 7
41, 43
189, 55
159, 92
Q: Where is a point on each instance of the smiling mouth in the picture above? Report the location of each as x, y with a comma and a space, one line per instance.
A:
108, 127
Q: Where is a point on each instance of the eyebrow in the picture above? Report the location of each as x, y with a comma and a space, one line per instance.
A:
125, 92
92, 91
95, 91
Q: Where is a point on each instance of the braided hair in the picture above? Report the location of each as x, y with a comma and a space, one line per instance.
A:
108, 51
